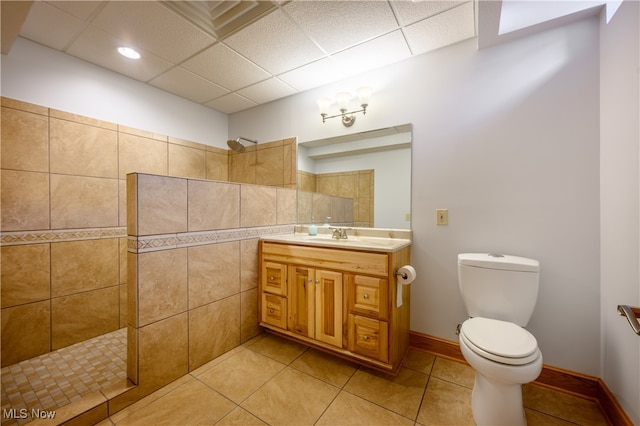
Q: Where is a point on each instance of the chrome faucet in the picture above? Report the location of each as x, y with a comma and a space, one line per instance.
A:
339, 234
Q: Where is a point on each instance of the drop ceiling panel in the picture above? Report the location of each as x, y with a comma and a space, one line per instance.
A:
100, 48
312, 75
449, 27
80, 9
60, 29
275, 43
267, 91
188, 85
225, 67
151, 26
410, 12
373, 54
338, 30
230, 103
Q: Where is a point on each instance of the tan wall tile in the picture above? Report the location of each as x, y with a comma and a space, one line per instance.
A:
270, 166
307, 181
162, 205
132, 289
348, 185
26, 332
122, 244
287, 206
24, 106
365, 183
188, 162
123, 306
79, 266
321, 207
132, 204
84, 315
290, 163
80, 149
214, 272
122, 202
305, 208
132, 353
141, 155
25, 141
162, 284
249, 327
185, 142
242, 167
213, 205
24, 274
217, 166
63, 115
25, 200
83, 202
142, 133
163, 351
248, 264
213, 330
258, 206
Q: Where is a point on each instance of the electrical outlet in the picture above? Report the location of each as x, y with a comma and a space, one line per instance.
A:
442, 216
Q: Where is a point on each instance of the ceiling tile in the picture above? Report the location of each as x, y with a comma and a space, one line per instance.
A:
441, 30
315, 74
151, 26
60, 30
188, 85
230, 103
275, 43
267, 91
100, 48
80, 9
409, 12
373, 54
225, 67
338, 30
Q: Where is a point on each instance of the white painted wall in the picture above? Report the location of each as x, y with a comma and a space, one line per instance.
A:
620, 202
507, 139
34, 73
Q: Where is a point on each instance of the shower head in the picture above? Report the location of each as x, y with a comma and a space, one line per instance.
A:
235, 144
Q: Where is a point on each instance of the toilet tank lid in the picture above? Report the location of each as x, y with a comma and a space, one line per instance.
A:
502, 262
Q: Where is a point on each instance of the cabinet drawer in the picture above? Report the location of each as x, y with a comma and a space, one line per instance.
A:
274, 310
274, 278
369, 337
369, 295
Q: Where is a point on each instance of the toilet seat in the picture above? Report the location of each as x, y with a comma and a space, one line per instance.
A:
499, 341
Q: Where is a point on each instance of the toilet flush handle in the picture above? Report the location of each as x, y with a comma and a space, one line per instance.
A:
632, 315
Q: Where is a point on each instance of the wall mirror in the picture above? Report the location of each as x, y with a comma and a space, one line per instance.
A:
360, 179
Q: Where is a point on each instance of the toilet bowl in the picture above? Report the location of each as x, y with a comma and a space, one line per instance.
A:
504, 356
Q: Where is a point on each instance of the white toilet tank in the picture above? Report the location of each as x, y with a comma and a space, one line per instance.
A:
499, 286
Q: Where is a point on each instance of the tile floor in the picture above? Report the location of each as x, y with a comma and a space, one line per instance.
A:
272, 381
55, 379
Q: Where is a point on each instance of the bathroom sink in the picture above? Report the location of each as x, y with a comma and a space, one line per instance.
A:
352, 242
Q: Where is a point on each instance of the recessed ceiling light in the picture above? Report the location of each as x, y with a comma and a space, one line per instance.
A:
128, 52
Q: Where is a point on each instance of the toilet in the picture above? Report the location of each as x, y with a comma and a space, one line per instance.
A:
500, 294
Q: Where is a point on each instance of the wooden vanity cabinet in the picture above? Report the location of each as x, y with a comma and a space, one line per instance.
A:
340, 300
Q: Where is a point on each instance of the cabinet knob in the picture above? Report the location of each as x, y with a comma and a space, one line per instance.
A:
310, 280
366, 296
271, 311
317, 281
365, 338
271, 278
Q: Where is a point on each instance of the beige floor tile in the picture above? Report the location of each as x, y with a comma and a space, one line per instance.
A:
445, 403
282, 350
348, 409
194, 403
454, 372
240, 417
325, 367
291, 398
240, 375
536, 418
419, 361
564, 406
401, 394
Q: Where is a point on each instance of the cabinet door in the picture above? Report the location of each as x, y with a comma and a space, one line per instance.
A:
328, 306
300, 300
274, 310
369, 337
274, 278
368, 295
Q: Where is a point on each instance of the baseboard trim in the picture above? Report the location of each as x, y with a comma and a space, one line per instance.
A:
577, 384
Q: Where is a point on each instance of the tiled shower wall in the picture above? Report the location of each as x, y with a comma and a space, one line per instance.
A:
347, 197
63, 222
193, 269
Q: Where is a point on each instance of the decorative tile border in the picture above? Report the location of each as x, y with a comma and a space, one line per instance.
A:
190, 239
16, 238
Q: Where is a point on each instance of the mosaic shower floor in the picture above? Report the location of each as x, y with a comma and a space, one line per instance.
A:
55, 379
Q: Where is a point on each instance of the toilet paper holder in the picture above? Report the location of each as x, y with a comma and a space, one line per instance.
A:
402, 274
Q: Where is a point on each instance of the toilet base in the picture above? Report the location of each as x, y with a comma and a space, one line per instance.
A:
494, 403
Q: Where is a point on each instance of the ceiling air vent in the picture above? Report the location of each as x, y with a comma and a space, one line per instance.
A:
223, 17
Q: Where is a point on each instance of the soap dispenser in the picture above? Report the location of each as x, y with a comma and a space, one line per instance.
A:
313, 229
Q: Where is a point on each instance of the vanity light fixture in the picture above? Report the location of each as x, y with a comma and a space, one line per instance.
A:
343, 99
128, 52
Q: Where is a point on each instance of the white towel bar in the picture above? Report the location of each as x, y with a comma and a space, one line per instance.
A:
632, 315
